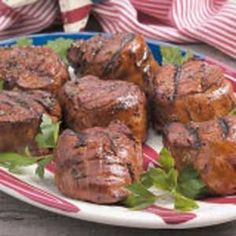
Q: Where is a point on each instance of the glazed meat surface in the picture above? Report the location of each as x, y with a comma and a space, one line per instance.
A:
90, 102
194, 91
210, 147
96, 164
122, 56
30, 68
20, 117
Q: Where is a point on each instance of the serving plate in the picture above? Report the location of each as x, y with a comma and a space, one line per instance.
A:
44, 194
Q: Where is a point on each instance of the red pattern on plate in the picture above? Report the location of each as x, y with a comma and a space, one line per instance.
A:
227, 70
35, 194
51, 167
221, 200
150, 157
171, 216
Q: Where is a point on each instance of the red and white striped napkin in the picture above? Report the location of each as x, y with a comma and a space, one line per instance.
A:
179, 21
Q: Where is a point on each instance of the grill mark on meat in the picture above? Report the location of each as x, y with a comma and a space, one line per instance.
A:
112, 63
9, 103
176, 79
193, 132
90, 97
224, 126
203, 78
77, 174
45, 101
81, 140
113, 149
112, 144
19, 101
131, 173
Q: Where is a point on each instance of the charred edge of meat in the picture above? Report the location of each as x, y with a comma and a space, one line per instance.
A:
176, 79
193, 132
113, 147
112, 63
224, 126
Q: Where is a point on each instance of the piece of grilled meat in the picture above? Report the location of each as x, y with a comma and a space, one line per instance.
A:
20, 117
121, 56
30, 68
90, 102
195, 91
210, 147
96, 164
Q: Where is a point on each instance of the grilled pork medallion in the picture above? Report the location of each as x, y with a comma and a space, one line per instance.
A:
20, 117
122, 56
194, 91
90, 102
30, 68
210, 147
96, 164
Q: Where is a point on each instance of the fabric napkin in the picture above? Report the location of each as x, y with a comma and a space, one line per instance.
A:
178, 21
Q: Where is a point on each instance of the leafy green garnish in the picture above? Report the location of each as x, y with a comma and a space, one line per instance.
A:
183, 203
166, 160
1, 85
183, 187
42, 164
24, 42
233, 112
14, 161
48, 136
140, 197
46, 139
60, 46
190, 184
173, 55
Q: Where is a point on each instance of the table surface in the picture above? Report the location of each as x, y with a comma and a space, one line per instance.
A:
18, 218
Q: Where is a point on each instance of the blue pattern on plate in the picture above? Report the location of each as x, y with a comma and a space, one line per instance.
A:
40, 39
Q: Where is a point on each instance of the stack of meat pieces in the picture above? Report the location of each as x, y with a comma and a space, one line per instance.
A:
106, 113
194, 91
31, 78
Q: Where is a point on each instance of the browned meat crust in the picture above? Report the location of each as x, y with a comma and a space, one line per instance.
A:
210, 147
91, 102
30, 68
20, 117
95, 165
195, 91
122, 56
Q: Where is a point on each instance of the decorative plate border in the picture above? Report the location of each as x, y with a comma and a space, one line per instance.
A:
33, 191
